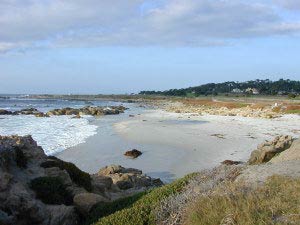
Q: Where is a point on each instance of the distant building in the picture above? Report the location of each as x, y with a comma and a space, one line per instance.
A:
236, 90
252, 91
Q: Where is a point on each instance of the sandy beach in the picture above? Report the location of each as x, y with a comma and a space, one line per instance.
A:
175, 144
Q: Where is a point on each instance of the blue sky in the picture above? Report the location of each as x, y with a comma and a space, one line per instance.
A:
90, 46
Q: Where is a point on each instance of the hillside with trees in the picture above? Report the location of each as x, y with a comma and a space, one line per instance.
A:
263, 87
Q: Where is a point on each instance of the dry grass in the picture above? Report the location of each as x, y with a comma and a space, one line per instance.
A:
277, 202
213, 104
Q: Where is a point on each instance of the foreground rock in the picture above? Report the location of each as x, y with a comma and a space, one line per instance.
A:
267, 150
36, 189
134, 153
127, 179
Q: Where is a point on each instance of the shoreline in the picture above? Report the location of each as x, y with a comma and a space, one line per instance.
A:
171, 141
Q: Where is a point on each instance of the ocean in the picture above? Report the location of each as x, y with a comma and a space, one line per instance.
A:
55, 133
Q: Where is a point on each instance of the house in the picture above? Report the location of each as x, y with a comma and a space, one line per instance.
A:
252, 91
236, 90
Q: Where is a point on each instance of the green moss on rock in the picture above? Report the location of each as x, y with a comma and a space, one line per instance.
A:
79, 177
51, 190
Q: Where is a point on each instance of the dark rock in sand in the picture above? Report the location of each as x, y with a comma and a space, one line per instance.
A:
133, 153
231, 162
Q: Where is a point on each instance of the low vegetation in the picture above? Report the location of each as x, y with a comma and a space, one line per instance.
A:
79, 177
277, 202
51, 190
139, 209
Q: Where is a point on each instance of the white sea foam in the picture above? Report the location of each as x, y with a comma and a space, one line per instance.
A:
54, 133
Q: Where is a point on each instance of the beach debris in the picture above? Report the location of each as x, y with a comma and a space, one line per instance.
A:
222, 136
134, 153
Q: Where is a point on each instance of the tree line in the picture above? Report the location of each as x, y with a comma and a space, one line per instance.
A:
263, 87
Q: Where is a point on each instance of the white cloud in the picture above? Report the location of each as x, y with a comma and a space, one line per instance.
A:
119, 22
289, 4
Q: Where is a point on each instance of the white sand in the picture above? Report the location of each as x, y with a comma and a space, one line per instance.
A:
173, 144
200, 149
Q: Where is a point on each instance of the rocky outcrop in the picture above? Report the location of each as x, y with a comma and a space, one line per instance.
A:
134, 153
292, 153
40, 189
94, 111
127, 180
267, 150
266, 112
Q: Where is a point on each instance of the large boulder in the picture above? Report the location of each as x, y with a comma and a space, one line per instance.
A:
267, 150
85, 201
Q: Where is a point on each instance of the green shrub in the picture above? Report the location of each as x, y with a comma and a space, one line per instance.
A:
106, 209
141, 212
291, 95
51, 190
20, 158
79, 177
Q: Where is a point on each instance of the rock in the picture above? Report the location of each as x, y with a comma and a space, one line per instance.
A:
231, 162
100, 184
127, 178
131, 115
40, 189
40, 114
62, 215
112, 169
5, 219
133, 153
76, 117
5, 112
57, 172
84, 202
292, 153
5, 179
267, 150
123, 181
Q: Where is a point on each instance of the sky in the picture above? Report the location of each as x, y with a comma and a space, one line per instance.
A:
117, 46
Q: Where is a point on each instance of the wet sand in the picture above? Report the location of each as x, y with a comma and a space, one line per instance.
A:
175, 144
